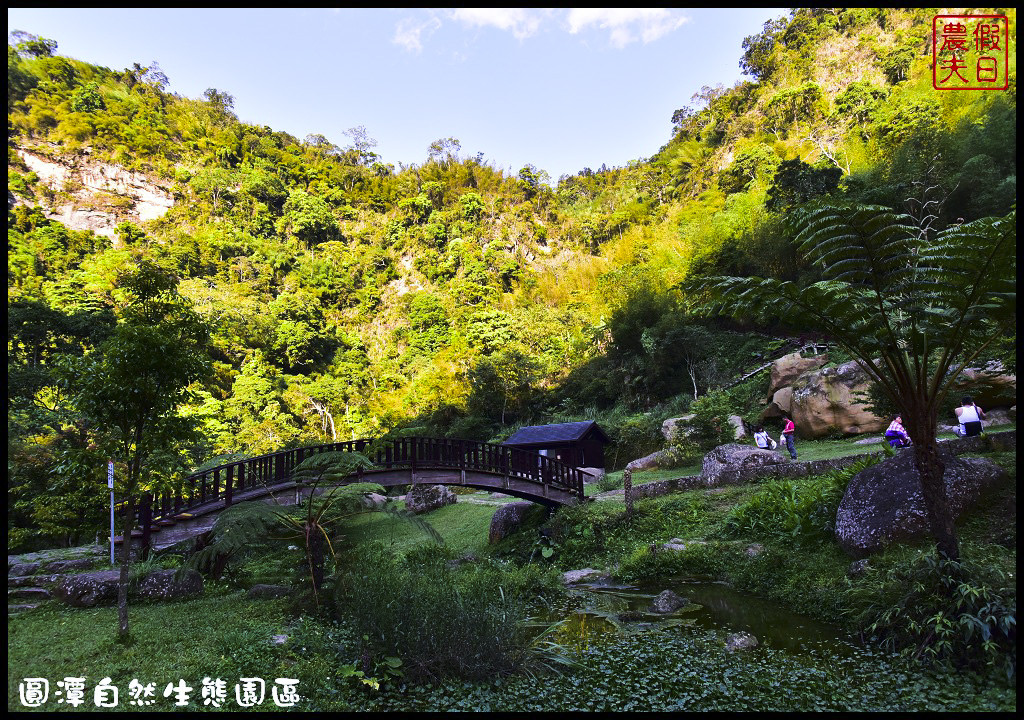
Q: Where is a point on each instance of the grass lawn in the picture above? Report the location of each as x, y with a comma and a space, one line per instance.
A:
463, 526
221, 635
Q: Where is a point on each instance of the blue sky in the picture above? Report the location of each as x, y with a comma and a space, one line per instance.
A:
562, 89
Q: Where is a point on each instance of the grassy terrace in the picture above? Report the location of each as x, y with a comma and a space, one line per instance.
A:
806, 450
224, 634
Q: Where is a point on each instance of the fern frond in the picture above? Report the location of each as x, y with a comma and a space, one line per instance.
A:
236, 530
415, 520
330, 467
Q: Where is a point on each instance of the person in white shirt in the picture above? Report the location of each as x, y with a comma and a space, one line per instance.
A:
762, 440
969, 416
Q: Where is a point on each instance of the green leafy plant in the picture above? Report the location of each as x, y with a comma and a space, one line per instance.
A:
943, 612
467, 621
802, 510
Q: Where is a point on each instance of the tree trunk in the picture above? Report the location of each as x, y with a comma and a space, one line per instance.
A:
126, 556
627, 489
931, 468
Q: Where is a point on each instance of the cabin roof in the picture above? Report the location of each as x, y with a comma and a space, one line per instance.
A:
551, 434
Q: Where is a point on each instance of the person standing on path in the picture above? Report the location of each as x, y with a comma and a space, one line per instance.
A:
787, 436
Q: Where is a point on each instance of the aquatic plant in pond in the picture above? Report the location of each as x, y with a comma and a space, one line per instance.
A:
680, 669
596, 613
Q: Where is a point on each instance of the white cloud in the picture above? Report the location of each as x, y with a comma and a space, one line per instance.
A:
409, 32
522, 23
626, 25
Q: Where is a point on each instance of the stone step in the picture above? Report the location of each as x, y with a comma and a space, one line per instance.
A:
20, 608
33, 580
28, 593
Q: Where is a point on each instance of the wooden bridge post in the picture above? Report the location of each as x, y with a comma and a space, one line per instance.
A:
228, 485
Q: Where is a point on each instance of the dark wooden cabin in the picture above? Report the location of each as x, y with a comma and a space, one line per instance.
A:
580, 444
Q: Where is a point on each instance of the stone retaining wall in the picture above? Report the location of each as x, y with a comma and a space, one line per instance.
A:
1000, 441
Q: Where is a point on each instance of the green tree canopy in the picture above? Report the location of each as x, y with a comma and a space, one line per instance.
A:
131, 387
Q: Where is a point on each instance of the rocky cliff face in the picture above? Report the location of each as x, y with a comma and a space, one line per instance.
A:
101, 195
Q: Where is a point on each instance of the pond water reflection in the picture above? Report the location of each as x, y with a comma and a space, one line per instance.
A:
601, 610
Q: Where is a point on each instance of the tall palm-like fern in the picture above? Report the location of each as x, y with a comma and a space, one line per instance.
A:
310, 523
914, 310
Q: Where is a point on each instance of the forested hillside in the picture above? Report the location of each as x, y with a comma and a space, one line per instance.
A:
347, 297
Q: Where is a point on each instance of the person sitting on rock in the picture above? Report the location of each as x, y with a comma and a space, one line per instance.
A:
896, 434
762, 440
970, 417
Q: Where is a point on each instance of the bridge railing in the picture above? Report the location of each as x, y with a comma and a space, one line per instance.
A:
228, 481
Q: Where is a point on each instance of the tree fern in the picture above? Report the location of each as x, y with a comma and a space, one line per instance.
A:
914, 310
314, 523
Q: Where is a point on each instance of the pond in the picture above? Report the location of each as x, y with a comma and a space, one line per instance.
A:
596, 611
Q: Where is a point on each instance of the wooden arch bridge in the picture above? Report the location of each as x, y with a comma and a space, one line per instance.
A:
167, 518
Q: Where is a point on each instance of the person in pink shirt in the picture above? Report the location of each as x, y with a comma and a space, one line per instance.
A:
787, 435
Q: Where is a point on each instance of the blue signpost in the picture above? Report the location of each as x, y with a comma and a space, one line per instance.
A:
110, 484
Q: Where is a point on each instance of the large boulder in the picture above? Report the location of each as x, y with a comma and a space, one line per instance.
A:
734, 463
788, 368
96, 588
668, 458
781, 404
676, 429
424, 498
883, 503
827, 401
88, 589
170, 584
507, 519
990, 386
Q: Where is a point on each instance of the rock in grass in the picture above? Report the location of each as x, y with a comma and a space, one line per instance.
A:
263, 592
507, 519
96, 588
667, 602
424, 498
733, 463
171, 584
88, 589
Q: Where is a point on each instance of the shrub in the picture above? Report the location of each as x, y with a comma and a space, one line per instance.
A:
698, 560
803, 509
467, 621
608, 482
944, 612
